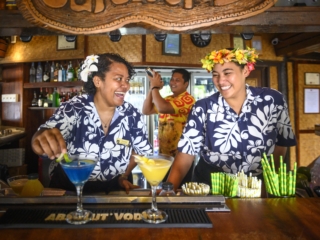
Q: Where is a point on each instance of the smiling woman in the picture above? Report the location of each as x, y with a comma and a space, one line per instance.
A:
99, 123
232, 128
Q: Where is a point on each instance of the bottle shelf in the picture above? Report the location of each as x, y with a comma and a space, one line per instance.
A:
53, 84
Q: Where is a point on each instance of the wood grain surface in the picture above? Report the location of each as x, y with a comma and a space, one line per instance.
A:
272, 218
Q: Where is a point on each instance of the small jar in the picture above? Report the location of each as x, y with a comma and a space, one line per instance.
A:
167, 189
33, 186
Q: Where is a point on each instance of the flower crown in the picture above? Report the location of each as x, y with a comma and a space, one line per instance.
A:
241, 56
89, 66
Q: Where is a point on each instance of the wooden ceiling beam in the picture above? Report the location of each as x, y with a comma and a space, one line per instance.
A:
298, 44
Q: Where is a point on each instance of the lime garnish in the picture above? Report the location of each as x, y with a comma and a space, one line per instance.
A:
151, 162
65, 156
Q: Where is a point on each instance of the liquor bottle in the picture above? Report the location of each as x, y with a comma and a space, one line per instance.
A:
136, 86
55, 98
39, 73
34, 102
52, 72
64, 73
46, 73
60, 74
40, 99
55, 73
46, 95
32, 73
70, 72
78, 73
141, 86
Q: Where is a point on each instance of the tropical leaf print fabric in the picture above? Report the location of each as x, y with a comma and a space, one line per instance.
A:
81, 128
236, 142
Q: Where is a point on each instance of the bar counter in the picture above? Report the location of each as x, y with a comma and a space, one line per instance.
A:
260, 218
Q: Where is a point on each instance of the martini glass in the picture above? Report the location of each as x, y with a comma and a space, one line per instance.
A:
78, 169
154, 170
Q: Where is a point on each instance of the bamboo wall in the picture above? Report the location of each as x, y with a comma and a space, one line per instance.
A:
309, 142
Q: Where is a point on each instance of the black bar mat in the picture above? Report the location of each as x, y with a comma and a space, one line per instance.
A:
103, 218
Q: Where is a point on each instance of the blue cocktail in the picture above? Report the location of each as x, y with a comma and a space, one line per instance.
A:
78, 169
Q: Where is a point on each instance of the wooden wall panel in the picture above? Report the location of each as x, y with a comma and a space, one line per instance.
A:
129, 46
41, 48
306, 121
273, 78
13, 84
293, 156
190, 54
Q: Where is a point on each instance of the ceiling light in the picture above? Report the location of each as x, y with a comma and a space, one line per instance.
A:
115, 35
25, 38
70, 38
160, 37
246, 36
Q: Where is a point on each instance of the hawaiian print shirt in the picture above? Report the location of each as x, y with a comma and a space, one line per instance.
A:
237, 142
80, 125
171, 125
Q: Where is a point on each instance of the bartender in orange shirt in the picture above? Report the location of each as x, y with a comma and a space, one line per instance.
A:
173, 110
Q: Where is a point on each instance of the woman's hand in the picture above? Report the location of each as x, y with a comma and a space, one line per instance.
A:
124, 183
48, 142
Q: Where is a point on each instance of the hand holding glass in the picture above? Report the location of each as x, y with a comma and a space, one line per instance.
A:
78, 170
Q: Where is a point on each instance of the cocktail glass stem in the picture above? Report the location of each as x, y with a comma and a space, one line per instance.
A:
154, 207
79, 198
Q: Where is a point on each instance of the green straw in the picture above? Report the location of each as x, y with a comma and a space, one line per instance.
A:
285, 179
212, 183
271, 179
222, 182
281, 176
294, 178
272, 164
266, 169
290, 190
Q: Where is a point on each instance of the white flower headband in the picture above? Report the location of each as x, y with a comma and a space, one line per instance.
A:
88, 67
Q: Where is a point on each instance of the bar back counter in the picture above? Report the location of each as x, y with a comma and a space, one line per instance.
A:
118, 217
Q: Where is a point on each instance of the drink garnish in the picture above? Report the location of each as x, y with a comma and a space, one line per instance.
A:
65, 156
139, 158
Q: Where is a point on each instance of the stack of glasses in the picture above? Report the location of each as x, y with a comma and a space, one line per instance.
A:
249, 187
281, 183
231, 185
225, 184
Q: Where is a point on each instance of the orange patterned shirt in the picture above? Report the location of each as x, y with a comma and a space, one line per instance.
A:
171, 125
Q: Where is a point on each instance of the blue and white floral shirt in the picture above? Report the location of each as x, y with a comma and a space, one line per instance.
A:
237, 142
82, 130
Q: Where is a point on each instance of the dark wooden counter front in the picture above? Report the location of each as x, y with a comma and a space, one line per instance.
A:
278, 218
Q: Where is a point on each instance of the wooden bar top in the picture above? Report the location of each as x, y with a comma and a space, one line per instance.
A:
263, 218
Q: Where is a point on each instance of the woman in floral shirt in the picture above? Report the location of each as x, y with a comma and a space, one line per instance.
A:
232, 128
100, 123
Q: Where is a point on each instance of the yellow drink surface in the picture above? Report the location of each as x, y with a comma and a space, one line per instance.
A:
17, 185
155, 172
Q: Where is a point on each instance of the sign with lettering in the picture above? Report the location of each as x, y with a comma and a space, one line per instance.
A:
101, 16
99, 217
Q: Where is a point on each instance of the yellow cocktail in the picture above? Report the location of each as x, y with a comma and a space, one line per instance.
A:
154, 169
17, 183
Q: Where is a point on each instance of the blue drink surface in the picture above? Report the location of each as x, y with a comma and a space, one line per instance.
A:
78, 171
